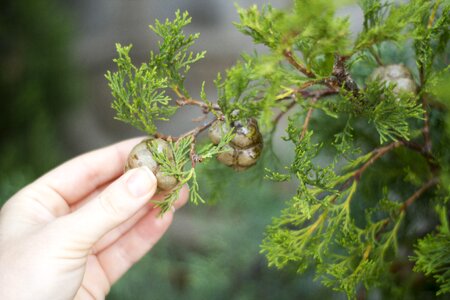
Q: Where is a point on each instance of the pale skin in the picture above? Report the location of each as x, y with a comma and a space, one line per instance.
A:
75, 231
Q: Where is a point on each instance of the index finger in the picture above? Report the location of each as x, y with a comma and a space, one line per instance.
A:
82, 175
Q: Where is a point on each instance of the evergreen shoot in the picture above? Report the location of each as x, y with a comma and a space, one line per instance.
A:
368, 123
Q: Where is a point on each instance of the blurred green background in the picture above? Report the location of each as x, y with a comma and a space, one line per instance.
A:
38, 86
56, 104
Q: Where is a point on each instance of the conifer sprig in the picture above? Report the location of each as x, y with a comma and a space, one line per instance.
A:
139, 93
365, 155
432, 255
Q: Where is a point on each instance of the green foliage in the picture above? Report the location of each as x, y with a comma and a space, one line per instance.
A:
309, 28
259, 24
38, 87
212, 252
386, 22
140, 92
318, 226
390, 116
373, 155
432, 255
251, 87
177, 165
174, 59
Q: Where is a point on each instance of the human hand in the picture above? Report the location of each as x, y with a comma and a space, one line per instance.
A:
76, 230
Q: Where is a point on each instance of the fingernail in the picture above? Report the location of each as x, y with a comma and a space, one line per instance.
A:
141, 182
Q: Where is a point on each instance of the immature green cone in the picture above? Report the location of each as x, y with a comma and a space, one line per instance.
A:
244, 149
141, 155
398, 74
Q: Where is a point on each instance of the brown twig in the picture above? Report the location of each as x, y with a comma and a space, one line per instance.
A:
426, 122
282, 113
382, 228
376, 56
308, 118
362, 293
302, 90
431, 160
317, 94
343, 78
426, 126
377, 154
195, 158
205, 107
429, 184
291, 59
165, 137
194, 132
200, 118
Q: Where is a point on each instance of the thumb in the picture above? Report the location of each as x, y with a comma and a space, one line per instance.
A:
116, 204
